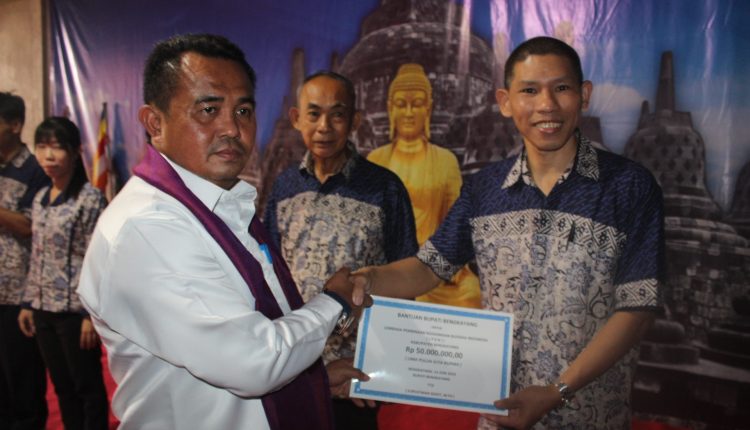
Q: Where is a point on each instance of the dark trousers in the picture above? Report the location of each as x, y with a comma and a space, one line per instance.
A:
76, 373
349, 416
23, 381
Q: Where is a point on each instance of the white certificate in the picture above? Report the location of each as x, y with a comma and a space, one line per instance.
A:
434, 355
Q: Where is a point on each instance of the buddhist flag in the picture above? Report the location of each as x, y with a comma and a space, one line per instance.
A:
100, 163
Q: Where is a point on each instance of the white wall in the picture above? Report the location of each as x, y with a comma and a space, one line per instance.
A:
22, 57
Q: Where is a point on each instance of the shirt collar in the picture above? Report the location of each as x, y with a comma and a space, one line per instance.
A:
236, 206
18, 159
60, 199
308, 163
585, 163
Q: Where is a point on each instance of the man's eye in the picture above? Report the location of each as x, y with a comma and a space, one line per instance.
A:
244, 111
528, 90
209, 109
563, 87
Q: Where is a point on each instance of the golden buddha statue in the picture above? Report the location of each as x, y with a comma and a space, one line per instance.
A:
430, 173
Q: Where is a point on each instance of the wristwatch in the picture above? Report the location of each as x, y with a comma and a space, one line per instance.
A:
566, 394
346, 308
347, 317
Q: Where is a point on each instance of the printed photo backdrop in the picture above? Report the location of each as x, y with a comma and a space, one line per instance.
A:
670, 91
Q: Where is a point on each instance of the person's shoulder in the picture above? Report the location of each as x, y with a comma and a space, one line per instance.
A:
376, 175
368, 167
614, 167
39, 195
90, 191
36, 203
627, 178
288, 182
139, 203
24, 167
292, 172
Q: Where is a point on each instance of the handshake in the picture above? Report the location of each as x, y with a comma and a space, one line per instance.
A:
353, 289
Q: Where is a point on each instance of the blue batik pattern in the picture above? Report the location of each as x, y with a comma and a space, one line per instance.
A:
20, 180
562, 264
61, 233
360, 217
322, 233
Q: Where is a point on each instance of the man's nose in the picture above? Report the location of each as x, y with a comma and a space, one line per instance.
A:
324, 123
547, 101
230, 126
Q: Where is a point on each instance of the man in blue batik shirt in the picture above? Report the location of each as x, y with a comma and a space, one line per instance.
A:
567, 237
337, 209
23, 382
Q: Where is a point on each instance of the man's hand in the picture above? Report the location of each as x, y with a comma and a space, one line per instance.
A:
15, 222
340, 375
89, 338
354, 293
26, 322
526, 407
363, 282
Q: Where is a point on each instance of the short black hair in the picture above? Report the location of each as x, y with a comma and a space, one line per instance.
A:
543, 46
161, 73
12, 107
69, 138
348, 85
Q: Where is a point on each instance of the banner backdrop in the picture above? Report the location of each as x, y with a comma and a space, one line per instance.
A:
670, 91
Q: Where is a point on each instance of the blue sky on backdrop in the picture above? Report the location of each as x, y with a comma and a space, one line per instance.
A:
620, 42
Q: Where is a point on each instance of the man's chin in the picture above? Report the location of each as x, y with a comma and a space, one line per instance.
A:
327, 153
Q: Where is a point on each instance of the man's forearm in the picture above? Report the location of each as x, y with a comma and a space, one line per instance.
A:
15, 222
405, 279
623, 330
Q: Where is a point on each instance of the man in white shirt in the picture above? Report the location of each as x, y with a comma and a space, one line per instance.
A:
201, 319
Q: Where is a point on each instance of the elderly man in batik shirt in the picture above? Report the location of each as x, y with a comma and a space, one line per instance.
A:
336, 209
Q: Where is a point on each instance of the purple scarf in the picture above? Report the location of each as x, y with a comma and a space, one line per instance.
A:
305, 402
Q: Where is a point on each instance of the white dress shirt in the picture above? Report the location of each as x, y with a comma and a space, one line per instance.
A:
185, 344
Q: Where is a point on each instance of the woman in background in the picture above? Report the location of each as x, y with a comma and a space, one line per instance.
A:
63, 217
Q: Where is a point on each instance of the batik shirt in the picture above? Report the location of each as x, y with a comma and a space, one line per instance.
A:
359, 217
20, 179
61, 233
562, 264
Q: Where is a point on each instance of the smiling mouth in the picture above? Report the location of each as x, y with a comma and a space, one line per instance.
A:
549, 126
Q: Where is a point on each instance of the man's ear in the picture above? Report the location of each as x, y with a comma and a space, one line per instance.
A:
356, 120
16, 126
294, 116
151, 119
503, 101
587, 88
